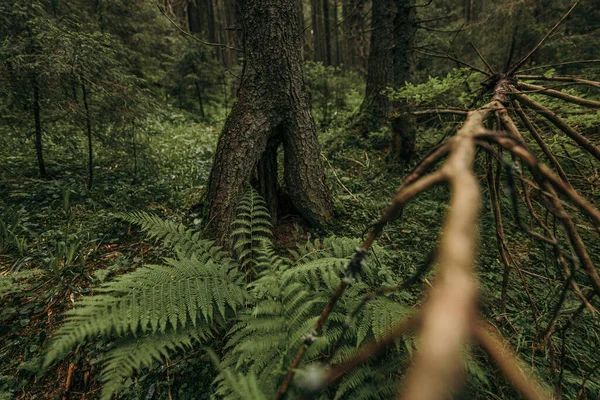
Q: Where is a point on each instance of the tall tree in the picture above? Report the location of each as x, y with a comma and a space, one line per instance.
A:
272, 109
327, 29
375, 107
404, 124
355, 39
201, 19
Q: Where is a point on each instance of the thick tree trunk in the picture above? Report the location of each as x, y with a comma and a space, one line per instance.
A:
404, 124
272, 108
376, 106
38, 127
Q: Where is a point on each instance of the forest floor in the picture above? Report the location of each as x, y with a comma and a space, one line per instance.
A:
60, 240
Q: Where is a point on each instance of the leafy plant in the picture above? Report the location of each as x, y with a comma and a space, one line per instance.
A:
200, 294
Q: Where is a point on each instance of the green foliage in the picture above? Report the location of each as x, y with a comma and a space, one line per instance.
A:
157, 310
250, 229
191, 295
436, 92
335, 93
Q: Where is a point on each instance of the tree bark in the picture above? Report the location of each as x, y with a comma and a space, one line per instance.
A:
317, 30
201, 19
354, 37
404, 124
272, 108
376, 106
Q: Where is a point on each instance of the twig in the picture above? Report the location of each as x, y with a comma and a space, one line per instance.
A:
581, 140
560, 95
520, 63
69, 381
559, 79
489, 67
561, 64
187, 34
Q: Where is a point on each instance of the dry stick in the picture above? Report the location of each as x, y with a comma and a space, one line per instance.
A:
421, 271
560, 64
493, 188
560, 95
556, 313
560, 254
427, 163
440, 111
371, 349
69, 380
538, 139
587, 378
542, 175
509, 364
560, 124
450, 309
489, 67
394, 211
452, 58
520, 63
197, 39
577, 168
570, 79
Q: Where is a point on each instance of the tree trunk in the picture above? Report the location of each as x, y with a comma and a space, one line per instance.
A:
272, 108
201, 19
404, 124
88, 123
375, 107
327, 31
336, 33
317, 30
38, 126
354, 37
199, 90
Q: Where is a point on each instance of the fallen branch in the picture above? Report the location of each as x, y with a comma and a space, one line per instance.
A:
560, 95
509, 364
581, 140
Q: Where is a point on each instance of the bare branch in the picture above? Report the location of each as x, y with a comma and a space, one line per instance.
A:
559, 79
560, 95
584, 142
197, 39
509, 364
520, 63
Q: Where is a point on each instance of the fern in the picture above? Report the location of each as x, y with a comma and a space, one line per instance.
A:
157, 309
175, 235
289, 297
250, 229
132, 354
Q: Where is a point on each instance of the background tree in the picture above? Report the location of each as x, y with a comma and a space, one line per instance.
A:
376, 105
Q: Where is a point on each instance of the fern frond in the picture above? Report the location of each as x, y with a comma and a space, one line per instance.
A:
150, 300
175, 235
132, 354
250, 229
